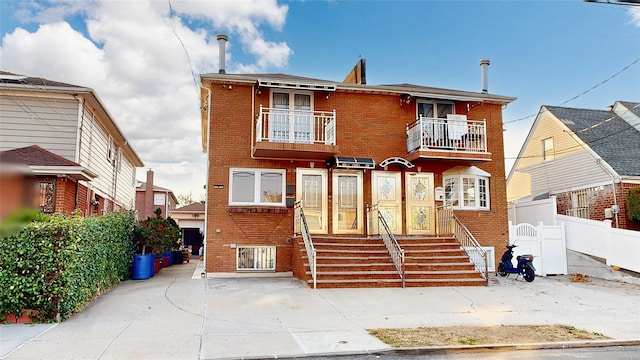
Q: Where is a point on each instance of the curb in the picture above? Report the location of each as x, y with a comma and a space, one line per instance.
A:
431, 350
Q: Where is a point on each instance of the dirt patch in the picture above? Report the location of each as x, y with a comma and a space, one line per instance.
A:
472, 335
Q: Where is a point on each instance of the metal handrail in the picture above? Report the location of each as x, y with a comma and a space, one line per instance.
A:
471, 247
391, 243
301, 221
296, 126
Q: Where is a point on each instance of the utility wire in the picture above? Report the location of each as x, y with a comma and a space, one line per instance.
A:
582, 93
175, 32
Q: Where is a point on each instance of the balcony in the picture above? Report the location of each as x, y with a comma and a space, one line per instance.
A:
295, 134
454, 138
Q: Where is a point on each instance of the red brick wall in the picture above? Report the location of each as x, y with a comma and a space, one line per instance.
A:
368, 125
601, 198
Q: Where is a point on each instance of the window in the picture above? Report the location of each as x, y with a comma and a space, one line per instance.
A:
438, 110
466, 191
579, 204
256, 258
45, 195
159, 199
257, 187
547, 149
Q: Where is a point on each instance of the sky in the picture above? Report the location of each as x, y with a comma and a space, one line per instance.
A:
144, 57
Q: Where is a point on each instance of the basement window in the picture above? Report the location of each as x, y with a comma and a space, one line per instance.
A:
256, 258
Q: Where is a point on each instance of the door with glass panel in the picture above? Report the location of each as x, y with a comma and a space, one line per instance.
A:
347, 198
312, 192
291, 119
387, 193
420, 202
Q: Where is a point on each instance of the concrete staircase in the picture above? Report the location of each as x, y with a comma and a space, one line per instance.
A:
364, 262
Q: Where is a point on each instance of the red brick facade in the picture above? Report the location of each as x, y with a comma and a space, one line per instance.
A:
368, 124
601, 198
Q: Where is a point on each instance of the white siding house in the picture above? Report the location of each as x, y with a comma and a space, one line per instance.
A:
70, 121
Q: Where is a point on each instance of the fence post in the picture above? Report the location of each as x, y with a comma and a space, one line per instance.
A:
607, 224
539, 233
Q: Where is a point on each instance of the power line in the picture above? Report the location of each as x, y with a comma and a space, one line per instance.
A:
175, 32
582, 93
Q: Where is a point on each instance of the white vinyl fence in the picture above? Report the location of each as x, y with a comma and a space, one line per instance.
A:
597, 238
545, 242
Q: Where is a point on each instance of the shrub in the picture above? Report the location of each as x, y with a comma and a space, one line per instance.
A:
57, 267
633, 204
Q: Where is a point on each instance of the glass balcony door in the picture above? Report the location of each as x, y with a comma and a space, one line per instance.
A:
292, 118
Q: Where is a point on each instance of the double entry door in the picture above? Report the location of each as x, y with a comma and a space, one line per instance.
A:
347, 208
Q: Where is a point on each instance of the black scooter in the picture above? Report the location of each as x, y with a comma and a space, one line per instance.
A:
524, 268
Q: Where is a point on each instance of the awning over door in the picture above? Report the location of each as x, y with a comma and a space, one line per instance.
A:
344, 162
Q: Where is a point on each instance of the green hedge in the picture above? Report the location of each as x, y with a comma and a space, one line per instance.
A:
59, 265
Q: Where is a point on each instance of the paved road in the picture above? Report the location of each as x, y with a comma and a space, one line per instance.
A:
179, 315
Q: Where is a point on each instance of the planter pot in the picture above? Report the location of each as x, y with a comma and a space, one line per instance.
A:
22, 318
169, 254
165, 261
152, 264
140, 269
176, 257
158, 265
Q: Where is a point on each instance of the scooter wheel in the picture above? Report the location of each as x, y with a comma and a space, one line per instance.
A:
529, 275
501, 271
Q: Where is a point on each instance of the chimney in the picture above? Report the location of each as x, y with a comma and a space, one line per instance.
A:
484, 64
222, 39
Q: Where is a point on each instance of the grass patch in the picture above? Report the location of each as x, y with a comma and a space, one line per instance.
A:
476, 335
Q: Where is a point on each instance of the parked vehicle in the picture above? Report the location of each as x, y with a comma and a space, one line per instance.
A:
525, 265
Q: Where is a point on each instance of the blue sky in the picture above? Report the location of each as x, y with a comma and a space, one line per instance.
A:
132, 54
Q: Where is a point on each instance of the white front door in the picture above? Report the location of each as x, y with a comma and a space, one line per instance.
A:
311, 191
348, 205
420, 203
387, 193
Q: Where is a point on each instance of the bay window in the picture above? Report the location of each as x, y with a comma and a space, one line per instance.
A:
468, 192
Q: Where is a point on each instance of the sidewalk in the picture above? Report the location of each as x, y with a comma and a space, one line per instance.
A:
177, 315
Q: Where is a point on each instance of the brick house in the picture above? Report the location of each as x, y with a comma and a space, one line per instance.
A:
150, 197
342, 151
63, 133
588, 159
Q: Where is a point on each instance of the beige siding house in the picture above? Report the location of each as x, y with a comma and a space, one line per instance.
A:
72, 122
588, 159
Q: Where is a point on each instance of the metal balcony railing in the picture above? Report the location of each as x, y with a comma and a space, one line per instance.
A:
296, 126
455, 133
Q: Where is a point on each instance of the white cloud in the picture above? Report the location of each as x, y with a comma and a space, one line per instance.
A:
635, 15
138, 66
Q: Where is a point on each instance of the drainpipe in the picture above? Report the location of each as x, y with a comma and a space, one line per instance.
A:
206, 194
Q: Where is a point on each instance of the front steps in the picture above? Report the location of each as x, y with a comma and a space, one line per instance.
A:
364, 262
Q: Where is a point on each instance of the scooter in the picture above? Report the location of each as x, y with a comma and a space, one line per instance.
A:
524, 268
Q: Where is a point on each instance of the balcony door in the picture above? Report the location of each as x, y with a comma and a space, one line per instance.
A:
387, 193
420, 203
292, 119
435, 131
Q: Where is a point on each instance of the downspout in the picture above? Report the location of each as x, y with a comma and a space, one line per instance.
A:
253, 114
606, 169
206, 196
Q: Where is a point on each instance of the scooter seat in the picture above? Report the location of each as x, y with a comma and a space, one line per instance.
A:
523, 256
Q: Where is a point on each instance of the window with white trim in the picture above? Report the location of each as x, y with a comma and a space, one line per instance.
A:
257, 187
256, 258
547, 149
466, 192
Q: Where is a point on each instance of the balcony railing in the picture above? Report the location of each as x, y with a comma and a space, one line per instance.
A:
296, 126
454, 133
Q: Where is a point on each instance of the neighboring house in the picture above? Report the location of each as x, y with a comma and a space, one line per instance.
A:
338, 147
150, 197
36, 178
587, 159
70, 122
190, 220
